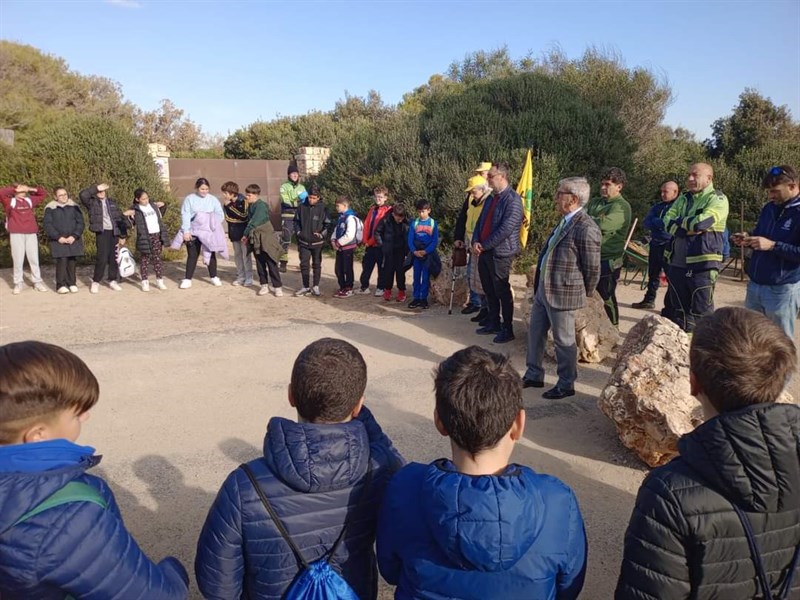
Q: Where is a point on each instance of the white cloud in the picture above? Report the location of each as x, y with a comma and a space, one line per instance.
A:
125, 3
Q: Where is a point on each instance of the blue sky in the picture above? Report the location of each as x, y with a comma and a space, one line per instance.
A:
229, 63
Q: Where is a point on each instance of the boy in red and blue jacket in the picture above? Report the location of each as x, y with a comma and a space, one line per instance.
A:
373, 254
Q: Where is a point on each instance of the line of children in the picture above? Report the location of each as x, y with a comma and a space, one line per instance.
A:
64, 226
19, 202
151, 236
345, 241
373, 254
423, 238
236, 217
311, 225
391, 236
261, 240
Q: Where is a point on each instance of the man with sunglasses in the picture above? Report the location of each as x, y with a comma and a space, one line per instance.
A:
774, 268
696, 221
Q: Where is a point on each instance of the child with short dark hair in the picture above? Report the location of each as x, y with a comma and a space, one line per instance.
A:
477, 527
345, 240
61, 533
311, 224
704, 522
262, 241
423, 237
235, 208
241, 553
391, 236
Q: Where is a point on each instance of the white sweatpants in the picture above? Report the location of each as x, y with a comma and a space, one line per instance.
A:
25, 245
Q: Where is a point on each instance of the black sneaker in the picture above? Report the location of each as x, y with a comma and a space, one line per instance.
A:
282, 266
506, 335
424, 304
469, 309
480, 316
488, 330
414, 304
644, 304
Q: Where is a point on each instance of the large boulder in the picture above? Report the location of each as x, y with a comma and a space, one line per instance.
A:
595, 336
647, 396
440, 287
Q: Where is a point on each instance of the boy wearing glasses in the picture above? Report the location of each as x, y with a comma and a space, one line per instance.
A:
774, 269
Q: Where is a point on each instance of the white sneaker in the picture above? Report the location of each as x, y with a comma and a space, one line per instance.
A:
315, 291
185, 284
278, 292
145, 285
114, 286
73, 289
248, 283
160, 284
17, 289
95, 287
378, 292
40, 287
302, 291
63, 290
363, 292
263, 290
216, 282
237, 282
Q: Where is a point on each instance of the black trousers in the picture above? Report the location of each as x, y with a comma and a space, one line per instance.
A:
344, 269
494, 272
311, 255
265, 265
65, 271
106, 257
655, 264
394, 270
373, 257
691, 295
193, 253
607, 288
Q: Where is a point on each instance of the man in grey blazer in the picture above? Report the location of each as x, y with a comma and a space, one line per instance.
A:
566, 274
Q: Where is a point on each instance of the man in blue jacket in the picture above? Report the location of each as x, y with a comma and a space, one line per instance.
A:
327, 469
659, 242
495, 242
477, 527
774, 269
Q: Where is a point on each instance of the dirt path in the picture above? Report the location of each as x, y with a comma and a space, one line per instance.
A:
189, 379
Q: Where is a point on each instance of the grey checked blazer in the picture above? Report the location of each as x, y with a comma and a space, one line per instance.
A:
573, 266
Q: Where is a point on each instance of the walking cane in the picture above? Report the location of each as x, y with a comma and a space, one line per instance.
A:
458, 259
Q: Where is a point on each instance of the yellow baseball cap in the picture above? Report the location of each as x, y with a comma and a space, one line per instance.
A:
474, 182
484, 166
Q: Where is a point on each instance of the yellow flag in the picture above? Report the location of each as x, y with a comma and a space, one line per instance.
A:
525, 191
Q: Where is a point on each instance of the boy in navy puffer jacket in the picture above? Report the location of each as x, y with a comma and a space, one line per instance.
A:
478, 527
61, 533
315, 473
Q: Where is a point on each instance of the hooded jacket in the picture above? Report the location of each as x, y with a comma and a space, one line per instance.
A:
392, 236
781, 265
313, 476
20, 213
375, 216
143, 244
444, 535
685, 540
94, 207
78, 548
64, 220
308, 220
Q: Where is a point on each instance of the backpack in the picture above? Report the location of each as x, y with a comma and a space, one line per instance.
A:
359, 229
317, 580
127, 266
74, 491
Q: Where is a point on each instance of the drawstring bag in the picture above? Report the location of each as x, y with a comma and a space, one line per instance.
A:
127, 266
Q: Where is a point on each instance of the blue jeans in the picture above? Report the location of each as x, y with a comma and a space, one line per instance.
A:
422, 279
780, 303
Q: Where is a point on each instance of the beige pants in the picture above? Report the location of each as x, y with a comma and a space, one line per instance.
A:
25, 245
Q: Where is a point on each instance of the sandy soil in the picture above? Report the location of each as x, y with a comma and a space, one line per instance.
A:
189, 379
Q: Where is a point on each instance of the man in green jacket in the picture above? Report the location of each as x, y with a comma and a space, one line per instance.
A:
696, 221
291, 192
612, 213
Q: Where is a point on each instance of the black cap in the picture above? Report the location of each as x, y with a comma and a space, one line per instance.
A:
292, 169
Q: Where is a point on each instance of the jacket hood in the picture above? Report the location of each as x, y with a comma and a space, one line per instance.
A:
484, 523
317, 458
751, 456
29, 473
56, 204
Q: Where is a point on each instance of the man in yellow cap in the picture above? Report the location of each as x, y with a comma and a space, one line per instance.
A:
478, 190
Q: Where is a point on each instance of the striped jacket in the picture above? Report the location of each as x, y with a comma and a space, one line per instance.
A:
704, 213
573, 265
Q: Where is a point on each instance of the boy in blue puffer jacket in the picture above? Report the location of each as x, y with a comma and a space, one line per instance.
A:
476, 527
61, 533
327, 469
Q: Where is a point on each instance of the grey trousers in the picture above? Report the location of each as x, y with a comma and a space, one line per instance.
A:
244, 263
543, 318
25, 245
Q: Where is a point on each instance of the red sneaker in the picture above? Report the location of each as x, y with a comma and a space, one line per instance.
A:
401, 296
387, 295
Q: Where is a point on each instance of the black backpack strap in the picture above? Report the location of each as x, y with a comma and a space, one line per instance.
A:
783, 594
274, 516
